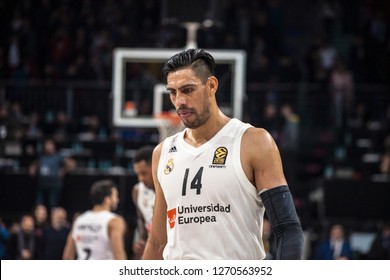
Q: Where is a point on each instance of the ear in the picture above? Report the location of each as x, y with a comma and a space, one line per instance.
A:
106, 200
212, 85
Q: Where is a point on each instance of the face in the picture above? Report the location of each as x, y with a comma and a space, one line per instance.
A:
114, 199
190, 97
49, 147
40, 213
27, 224
144, 173
337, 232
58, 216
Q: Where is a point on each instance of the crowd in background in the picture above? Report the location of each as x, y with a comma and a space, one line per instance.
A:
53, 40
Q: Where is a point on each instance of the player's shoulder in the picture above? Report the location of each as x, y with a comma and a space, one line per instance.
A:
117, 221
257, 135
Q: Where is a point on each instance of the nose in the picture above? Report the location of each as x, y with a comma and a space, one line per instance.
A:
179, 99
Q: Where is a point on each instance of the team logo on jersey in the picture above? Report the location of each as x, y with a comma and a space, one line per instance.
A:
171, 214
220, 155
169, 166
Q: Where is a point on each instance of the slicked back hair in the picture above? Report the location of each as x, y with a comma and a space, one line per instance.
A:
200, 61
101, 189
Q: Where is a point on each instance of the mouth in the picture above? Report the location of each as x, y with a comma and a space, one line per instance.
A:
184, 112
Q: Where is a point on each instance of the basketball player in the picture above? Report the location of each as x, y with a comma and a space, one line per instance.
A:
98, 234
214, 180
143, 197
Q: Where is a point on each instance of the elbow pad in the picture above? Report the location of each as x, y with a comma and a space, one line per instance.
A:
284, 221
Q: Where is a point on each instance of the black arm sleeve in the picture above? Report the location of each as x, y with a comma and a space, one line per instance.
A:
284, 221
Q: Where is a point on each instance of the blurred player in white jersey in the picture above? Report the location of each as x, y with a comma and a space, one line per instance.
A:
143, 197
98, 234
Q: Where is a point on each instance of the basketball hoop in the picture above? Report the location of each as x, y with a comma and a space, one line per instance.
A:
168, 124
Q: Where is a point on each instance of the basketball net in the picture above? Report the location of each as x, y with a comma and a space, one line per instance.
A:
169, 123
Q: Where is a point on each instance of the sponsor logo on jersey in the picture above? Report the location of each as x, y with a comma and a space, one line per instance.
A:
89, 227
87, 239
169, 166
171, 217
219, 158
195, 214
172, 149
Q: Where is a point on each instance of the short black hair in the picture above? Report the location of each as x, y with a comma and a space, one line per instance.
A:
100, 189
200, 61
144, 153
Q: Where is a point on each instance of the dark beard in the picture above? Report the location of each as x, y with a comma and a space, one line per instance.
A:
199, 121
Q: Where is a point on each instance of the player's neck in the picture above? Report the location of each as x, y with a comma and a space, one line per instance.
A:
101, 207
198, 136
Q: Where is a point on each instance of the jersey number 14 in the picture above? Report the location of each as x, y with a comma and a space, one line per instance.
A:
196, 182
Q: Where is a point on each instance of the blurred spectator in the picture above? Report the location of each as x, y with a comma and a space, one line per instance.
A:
40, 219
22, 245
4, 238
342, 87
359, 117
289, 142
4, 121
290, 130
40, 222
33, 129
270, 120
384, 166
93, 129
55, 235
380, 247
385, 163
50, 167
62, 128
16, 121
327, 54
334, 247
14, 56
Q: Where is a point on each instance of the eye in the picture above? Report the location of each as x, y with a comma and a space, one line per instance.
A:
188, 90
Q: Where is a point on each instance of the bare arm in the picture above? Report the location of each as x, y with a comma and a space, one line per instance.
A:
268, 175
116, 232
263, 167
158, 235
70, 249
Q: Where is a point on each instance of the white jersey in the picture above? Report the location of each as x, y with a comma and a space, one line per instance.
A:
90, 234
213, 211
145, 203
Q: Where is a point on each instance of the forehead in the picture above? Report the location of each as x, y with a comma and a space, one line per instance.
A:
141, 166
181, 77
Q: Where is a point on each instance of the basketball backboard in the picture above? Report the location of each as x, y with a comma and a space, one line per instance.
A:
138, 93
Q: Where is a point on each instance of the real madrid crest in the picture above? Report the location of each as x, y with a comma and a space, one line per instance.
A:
169, 166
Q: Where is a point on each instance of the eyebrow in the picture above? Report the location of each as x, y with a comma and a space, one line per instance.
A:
183, 86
